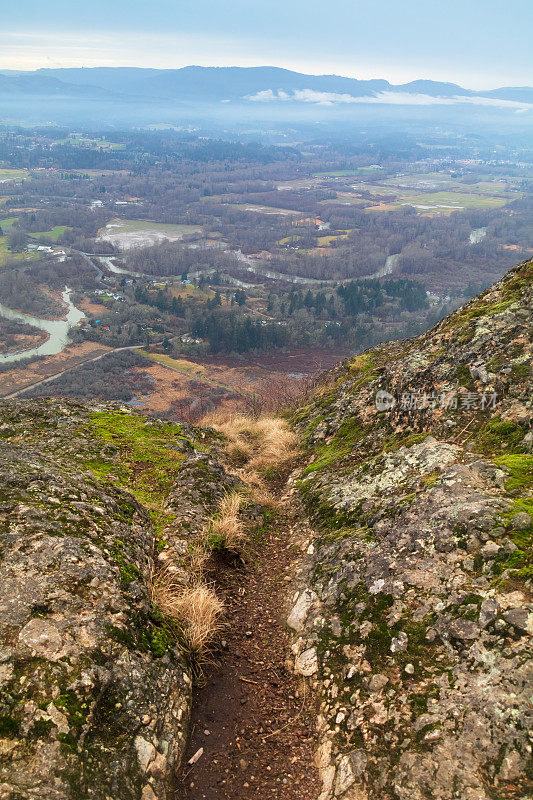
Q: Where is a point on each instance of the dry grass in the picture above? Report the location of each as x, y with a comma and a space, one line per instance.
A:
227, 527
258, 444
194, 608
257, 489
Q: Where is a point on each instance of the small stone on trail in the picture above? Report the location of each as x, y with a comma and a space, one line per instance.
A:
199, 753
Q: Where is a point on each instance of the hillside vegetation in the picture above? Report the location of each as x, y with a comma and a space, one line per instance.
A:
413, 615
409, 510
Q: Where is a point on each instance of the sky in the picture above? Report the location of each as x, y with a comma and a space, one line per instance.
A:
479, 44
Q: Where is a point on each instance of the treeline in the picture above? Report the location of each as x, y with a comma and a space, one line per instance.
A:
137, 150
365, 296
170, 258
20, 291
235, 333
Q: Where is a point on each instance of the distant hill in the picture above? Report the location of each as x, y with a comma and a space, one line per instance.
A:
217, 84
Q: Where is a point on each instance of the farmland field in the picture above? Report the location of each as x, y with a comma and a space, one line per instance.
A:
12, 175
443, 202
128, 233
53, 234
7, 224
6, 254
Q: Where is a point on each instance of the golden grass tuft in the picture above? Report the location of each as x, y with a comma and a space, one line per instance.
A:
256, 443
227, 526
194, 608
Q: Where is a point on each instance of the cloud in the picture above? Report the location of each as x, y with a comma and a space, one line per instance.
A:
385, 98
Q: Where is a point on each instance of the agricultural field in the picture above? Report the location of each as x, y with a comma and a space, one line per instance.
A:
444, 202
325, 241
430, 193
52, 235
7, 224
129, 233
8, 175
189, 291
6, 254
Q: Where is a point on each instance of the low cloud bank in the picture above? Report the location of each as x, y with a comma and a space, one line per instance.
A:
386, 98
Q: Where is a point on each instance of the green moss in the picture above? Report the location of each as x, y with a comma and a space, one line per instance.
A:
74, 707
121, 635
162, 639
520, 371
499, 435
518, 283
40, 729
463, 376
148, 461
128, 572
518, 565
395, 440
9, 727
519, 469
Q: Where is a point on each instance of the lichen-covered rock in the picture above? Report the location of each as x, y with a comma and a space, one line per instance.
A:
416, 586
94, 693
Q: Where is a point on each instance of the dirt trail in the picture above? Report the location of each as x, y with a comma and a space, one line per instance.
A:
256, 728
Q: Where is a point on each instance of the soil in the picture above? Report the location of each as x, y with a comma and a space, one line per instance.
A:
254, 720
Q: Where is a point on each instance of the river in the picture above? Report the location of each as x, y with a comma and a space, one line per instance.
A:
58, 330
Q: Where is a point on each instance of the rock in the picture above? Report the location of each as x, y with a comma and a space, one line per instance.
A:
399, 643
488, 611
377, 682
95, 690
520, 521
145, 752
306, 663
345, 777
410, 534
521, 619
358, 761
490, 550
511, 766
463, 629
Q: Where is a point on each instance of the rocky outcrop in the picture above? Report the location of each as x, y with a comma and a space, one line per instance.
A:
94, 692
412, 616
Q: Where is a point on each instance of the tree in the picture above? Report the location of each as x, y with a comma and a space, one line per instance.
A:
240, 297
16, 241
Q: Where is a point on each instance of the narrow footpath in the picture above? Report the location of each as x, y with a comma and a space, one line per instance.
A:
253, 729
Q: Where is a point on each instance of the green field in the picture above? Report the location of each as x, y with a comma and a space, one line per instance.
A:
444, 202
7, 224
325, 241
6, 254
53, 234
12, 174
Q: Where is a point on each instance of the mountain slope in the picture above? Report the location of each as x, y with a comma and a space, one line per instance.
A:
413, 614
95, 695
216, 84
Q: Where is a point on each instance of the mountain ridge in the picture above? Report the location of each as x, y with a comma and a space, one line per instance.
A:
231, 83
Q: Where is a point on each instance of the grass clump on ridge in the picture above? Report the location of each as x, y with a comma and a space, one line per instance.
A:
194, 608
